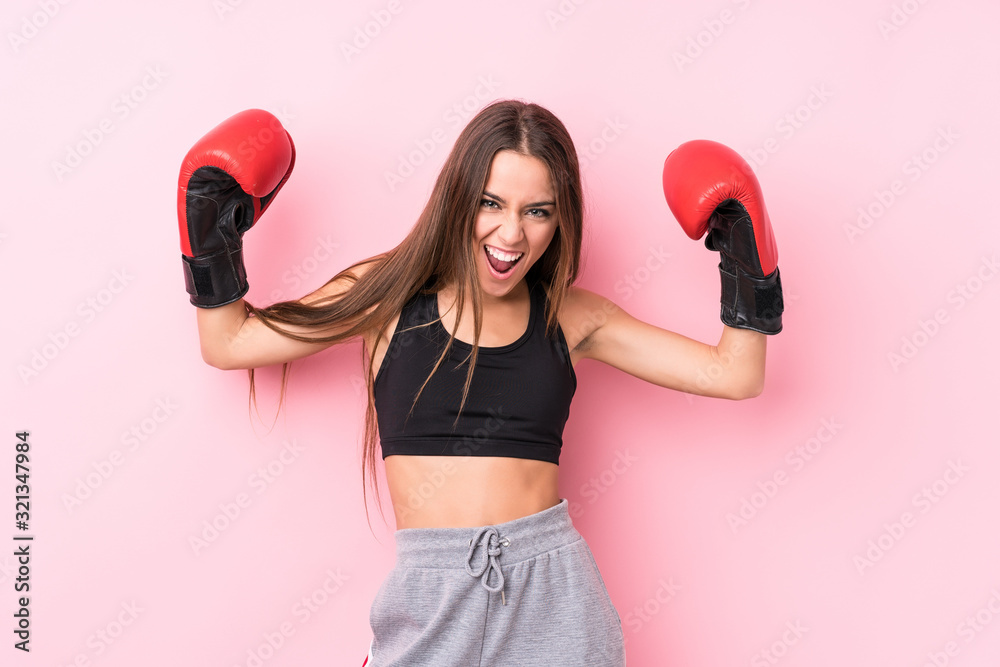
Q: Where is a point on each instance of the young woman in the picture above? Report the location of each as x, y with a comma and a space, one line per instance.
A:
472, 328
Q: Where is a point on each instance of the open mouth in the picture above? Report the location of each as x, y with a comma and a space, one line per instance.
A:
502, 262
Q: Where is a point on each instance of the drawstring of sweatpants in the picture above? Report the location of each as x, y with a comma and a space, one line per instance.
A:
488, 562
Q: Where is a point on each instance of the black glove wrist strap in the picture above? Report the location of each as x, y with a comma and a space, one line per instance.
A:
217, 279
749, 302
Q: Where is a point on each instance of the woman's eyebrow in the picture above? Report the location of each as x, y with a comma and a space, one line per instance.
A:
532, 205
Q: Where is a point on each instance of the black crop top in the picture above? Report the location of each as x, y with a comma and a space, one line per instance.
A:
518, 400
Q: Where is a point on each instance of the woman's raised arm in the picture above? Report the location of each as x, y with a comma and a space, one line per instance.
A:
713, 193
232, 339
227, 180
733, 369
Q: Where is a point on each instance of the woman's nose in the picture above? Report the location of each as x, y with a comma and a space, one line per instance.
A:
511, 230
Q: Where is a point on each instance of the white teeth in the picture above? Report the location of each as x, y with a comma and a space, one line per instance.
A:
503, 256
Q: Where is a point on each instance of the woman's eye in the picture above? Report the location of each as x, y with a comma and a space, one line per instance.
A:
539, 213
489, 203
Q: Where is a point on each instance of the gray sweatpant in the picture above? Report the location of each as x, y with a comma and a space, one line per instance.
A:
524, 592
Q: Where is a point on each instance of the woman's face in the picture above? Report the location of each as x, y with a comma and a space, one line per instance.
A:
516, 221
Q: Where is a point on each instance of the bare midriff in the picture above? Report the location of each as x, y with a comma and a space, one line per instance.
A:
468, 491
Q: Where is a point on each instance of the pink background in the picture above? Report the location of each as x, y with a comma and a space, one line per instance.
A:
880, 549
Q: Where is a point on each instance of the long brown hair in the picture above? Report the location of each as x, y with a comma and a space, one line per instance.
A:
438, 250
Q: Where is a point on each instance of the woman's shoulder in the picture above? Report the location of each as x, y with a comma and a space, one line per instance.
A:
578, 301
340, 283
581, 313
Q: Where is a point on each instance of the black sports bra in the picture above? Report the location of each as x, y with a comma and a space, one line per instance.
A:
518, 400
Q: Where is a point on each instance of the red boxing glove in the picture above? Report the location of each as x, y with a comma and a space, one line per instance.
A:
710, 188
227, 181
